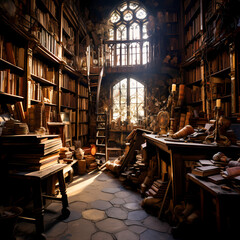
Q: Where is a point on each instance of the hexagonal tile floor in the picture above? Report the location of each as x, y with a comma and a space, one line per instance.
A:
101, 208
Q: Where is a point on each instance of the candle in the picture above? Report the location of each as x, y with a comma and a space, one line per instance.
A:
218, 103
173, 87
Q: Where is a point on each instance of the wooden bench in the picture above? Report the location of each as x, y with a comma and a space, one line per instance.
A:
35, 179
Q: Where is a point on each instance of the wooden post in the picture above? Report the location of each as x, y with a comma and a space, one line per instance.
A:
233, 79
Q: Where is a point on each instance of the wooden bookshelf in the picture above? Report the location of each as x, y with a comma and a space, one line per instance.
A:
208, 71
47, 58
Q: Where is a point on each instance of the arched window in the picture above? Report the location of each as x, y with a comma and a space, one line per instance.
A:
129, 27
128, 100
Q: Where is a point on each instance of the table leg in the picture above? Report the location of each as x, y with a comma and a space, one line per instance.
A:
218, 216
202, 203
62, 186
38, 206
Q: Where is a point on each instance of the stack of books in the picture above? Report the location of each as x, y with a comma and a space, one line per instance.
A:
31, 152
157, 189
205, 171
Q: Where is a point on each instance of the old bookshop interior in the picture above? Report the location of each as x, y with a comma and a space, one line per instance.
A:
119, 119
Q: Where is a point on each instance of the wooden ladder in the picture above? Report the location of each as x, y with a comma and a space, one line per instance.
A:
101, 138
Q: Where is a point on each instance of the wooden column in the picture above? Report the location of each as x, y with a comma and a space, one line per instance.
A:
28, 71
203, 90
232, 75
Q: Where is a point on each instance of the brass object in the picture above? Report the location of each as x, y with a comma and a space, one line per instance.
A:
163, 121
216, 137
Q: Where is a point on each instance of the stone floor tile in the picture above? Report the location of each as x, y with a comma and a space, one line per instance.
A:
155, 224
126, 234
122, 194
111, 190
133, 199
132, 222
94, 214
137, 229
80, 206
151, 234
101, 204
101, 236
80, 229
117, 201
117, 213
111, 225
57, 230
137, 215
132, 206
74, 215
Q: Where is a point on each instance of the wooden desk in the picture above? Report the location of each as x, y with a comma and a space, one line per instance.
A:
35, 178
223, 198
177, 153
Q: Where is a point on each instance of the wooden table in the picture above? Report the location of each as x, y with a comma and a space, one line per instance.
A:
223, 198
35, 179
177, 153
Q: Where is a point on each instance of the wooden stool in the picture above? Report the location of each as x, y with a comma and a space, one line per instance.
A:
35, 178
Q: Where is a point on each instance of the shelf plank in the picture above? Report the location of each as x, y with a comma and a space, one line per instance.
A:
13, 68
42, 80
67, 90
11, 96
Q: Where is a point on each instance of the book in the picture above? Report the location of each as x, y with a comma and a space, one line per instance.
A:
206, 162
32, 167
205, 171
34, 160
217, 179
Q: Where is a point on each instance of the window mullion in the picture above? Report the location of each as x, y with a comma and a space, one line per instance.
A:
128, 99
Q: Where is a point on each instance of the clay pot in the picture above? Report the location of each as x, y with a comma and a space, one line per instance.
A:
187, 130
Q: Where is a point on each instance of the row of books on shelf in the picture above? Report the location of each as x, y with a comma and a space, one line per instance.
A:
173, 44
195, 95
68, 43
83, 129
82, 117
186, 4
170, 16
48, 40
83, 103
16, 111
68, 29
11, 52
82, 91
193, 29
46, 21
220, 62
42, 70
51, 6
68, 100
193, 74
212, 6
171, 29
11, 83
189, 14
67, 82
193, 48
37, 92
223, 89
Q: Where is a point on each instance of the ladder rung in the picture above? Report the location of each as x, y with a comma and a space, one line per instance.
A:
100, 154
100, 145
101, 136
101, 129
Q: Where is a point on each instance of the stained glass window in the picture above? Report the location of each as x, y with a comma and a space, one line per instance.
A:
135, 104
129, 27
115, 17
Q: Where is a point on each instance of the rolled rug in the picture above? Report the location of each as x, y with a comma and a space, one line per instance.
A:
187, 130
